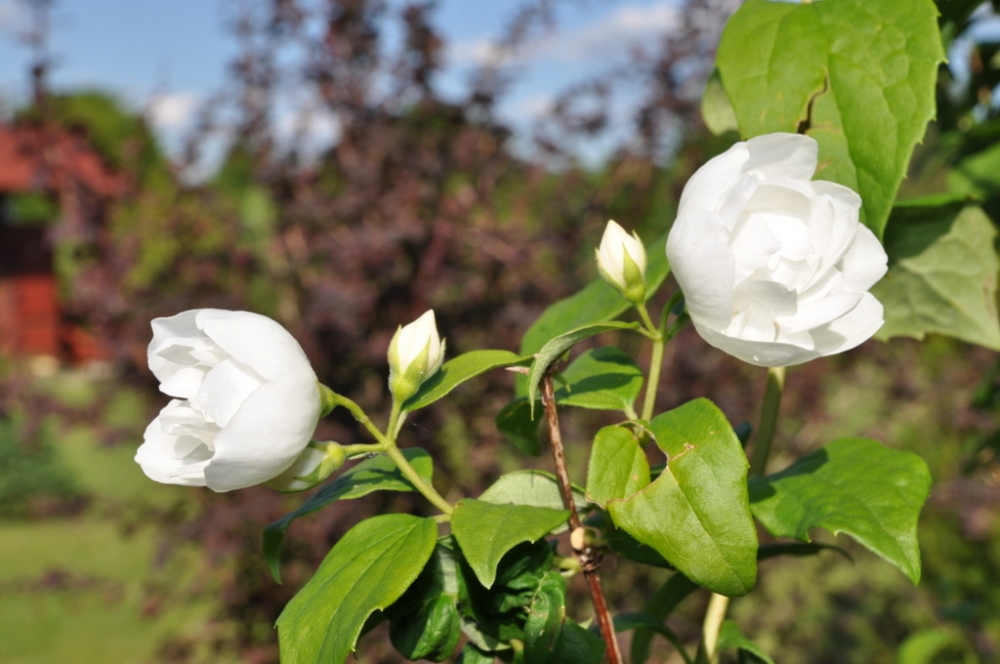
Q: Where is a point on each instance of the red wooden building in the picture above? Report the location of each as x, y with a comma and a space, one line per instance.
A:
53, 165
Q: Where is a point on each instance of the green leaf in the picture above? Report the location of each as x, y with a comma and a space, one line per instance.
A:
458, 370
942, 274
424, 622
854, 486
368, 569
486, 531
857, 75
601, 379
716, 109
618, 466
596, 303
376, 474
552, 638
625, 622
696, 513
472, 655
531, 487
730, 636
554, 349
666, 599
514, 421
924, 646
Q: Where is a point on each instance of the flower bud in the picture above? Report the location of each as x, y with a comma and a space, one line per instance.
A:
621, 260
415, 354
317, 462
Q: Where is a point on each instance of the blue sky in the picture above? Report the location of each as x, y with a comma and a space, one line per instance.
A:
168, 56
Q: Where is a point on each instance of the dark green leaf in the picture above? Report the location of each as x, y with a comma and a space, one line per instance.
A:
942, 274
853, 486
730, 636
455, 372
856, 75
629, 621
629, 547
554, 349
424, 622
472, 655
696, 513
618, 466
666, 599
515, 423
596, 303
368, 569
602, 379
377, 474
486, 531
531, 487
552, 638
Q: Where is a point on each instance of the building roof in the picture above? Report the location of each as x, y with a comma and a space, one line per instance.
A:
36, 157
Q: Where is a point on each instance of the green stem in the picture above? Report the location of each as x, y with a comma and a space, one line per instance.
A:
418, 482
768, 420
714, 615
655, 365
394, 421
353, 450
362, 418
646, 320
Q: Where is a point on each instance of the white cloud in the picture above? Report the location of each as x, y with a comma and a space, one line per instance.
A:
602, 38
174, 111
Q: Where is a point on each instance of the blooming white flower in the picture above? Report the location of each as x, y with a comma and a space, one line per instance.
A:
246, 400
621, 260
775, 268
415, 354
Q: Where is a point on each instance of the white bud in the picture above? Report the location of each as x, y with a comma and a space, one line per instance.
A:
415, 354
621, 260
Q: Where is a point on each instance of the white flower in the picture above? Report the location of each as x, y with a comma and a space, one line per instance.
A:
246, 400
775, 268
621, 260
415, 354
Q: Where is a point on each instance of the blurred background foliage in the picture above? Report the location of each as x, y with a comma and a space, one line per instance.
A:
425, 202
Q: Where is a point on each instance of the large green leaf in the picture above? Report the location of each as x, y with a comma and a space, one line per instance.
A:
618, 466
942, 273
696, 513
854, 486
455, 372
485, 531
856, 75
596, 303
377, 474
367, 570
554, 349
531, 487
601, 379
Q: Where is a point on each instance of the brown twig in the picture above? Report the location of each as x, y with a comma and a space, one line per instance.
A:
589, 560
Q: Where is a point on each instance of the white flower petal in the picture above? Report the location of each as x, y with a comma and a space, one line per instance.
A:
258, 342
782, 156
701, 260
763, 354
264, 437
185, 383
712, 182
865, 262
225, 388
852, 329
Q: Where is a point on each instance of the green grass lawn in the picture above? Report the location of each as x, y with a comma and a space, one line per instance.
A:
81, 589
